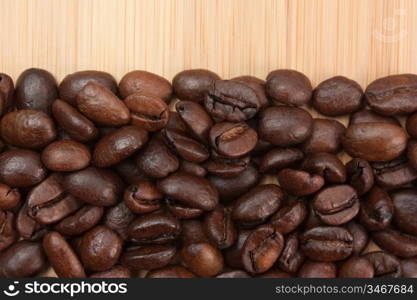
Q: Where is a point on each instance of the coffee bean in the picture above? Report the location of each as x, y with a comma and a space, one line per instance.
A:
280, 158
409, 268
27, 227
356, 267
202, 259
405, 209
226, 167
147, 257
360, 175
7, 232
299, 183
326, 165
82, 220
411, 125
9, 197
219, 227
385, 265
377, 210
115, 272
192, 85
66, 156
142, 197
257, 85
291, 257
368, 116
6, 93
313, 269
396, 242
118, 218
277, 273
174, 271
196, 119
289, 217
233, 255
186, 147
393, 173
360, 236
192, 168
234, 274
326, 136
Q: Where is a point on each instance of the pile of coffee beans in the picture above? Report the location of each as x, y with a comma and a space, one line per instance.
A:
205, 177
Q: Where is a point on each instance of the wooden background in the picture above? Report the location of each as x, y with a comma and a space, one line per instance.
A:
361, 39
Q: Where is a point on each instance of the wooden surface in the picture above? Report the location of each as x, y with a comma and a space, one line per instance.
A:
361, 39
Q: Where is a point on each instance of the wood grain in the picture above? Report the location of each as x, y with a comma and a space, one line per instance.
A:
361, 39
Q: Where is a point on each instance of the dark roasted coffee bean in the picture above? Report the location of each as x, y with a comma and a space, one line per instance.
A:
327, 243
356, 267
62, 257
325, 137
396, 242
193, 232
100, 248
66, 156
81, 221
375, 141
119, 145
129, 171
196, 118
49, 203
234, 274
145, 82
258, 204
411, 125
185, 146
95, 186
285, 126
118, 218
257, 85
7, 232
313, 269
289, 217
115, 272
336, 205
226, 167
289, 87
175, 122
385, 265
233, 255
192, 85
192, 168
299, 183
326, 165
360, 175
36, 89
9, 197
337, 96
102, 106
6, 93
73, 83
275, 273
231, 101
393, 174
360, 236
262, 248
27, 129
280, 158
27, 227
142, 197
155, 228
21, 168
174, 271
182, 211
147, 111
233, 140
368, 116
312, 220
147, 257
409, 267
190, 190
219, 227
377, 210
73, 122
405, 210
203, 259
155, 155
392, 95
412, 155
291, 257
22, 259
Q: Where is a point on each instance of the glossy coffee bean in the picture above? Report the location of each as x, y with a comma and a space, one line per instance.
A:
27, 129
356, 267
337, 96
82, 220
76, 125
285, 126
62, 257
360, 175
233, 255
185, 146
313, 269
360, 236
289, 217
219, 227
327, 244
202, 259
7, 92
394, 173
291, 257
193, 232
7, 231
73, 83
385, 265
174, 271
115, 272
231, 101
396, 242
411, 125
23, 259
299, 183
155, 155
233, 140
289, 87
377, 210
337, 204
405, 210
374, 141
49, 203
129, 171
27, 227
257, 85
280, 158
9, 197
100, 248
255, 206
226, 167
66, 156
147, 111
21, 168
196, 119
147, 257
326, 136
327, 165
369, 116
155, 228
412, 154
119, 145
95, 186
409, 268
142, 197
392, 95
175, 122
36, 89
262, 248
192, 168
101, 106
145, 82
118, 218
192, 85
